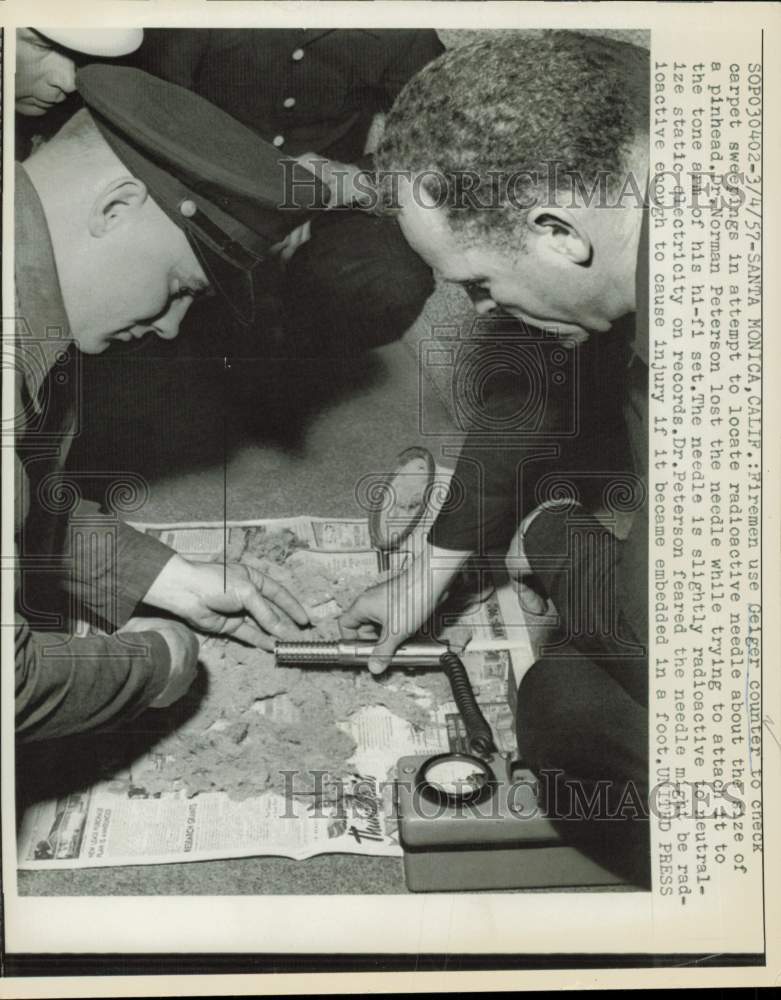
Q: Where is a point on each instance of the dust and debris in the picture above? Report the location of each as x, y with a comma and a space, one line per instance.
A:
323, 590
257, 724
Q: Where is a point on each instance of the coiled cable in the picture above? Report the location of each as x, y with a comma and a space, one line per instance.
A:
479, 737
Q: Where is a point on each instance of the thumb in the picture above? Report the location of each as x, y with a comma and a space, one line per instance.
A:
382, 654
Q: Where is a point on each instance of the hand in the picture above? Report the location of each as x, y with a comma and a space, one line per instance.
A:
295, 239
396, 609
182, 651
234, 600
348, 183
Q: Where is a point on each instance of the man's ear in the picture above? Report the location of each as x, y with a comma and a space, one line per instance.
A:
561, 233
116, 203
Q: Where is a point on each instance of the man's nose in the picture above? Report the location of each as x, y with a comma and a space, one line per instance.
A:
167, 326
63, 74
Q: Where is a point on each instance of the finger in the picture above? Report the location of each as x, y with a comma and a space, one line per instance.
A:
382, 654
253, 636
355, 616
379, 664
263, 614
283, 599
365, 631
244, 628
271, 618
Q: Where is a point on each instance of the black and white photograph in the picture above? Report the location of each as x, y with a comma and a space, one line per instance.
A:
386, 408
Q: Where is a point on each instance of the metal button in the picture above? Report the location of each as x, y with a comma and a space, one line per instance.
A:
278, 140
298, 54
188, 208
289, 102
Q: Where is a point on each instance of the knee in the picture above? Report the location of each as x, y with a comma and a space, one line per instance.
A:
541, 707
542, 681
363, 258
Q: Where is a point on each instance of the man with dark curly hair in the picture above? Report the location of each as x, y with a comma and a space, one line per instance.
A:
516, 141
518, 167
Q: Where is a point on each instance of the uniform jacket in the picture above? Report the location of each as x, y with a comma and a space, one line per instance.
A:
302, 90
73, 561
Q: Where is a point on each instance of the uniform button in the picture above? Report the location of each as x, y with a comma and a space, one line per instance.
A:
278, 140
289, 102
298, 54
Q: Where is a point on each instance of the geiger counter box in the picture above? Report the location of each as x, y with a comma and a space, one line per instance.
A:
468, 824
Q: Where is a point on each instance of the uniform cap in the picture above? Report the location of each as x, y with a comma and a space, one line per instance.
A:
104, 42
232, 193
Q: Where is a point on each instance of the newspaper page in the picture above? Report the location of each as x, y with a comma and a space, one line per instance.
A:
119, 821
699, 728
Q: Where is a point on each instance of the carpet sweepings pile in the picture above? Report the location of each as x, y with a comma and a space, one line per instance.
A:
256, 721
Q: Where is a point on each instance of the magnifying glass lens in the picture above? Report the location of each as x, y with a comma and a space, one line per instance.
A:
455, 778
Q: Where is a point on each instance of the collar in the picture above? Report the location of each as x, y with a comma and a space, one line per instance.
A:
42, 330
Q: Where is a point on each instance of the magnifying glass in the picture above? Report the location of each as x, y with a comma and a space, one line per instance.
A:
452, 779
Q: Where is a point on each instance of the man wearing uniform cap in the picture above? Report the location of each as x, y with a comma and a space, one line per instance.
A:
46, 62
135, 208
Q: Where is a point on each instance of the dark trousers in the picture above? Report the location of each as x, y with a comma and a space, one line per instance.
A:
582, 715
355, 285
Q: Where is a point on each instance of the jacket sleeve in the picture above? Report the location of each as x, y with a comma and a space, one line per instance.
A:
488, 495
509, 445
110, 565
67, 685
538, 415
